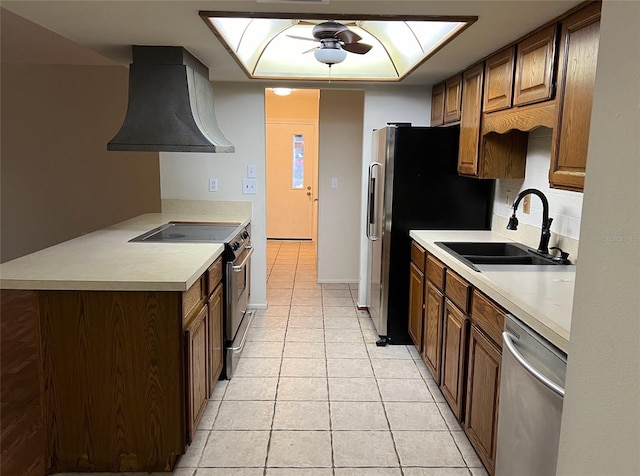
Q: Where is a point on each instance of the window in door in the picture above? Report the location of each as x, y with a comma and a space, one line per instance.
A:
297, 168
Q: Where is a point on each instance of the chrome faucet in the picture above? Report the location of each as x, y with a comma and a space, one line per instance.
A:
545, 234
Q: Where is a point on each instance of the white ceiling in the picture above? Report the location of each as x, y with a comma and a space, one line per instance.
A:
111, 27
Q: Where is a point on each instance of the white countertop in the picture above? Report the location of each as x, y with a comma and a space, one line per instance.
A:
105, 260
540, 296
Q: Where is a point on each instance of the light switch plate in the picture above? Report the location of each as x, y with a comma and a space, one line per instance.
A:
334, 182
251, 171
249, 186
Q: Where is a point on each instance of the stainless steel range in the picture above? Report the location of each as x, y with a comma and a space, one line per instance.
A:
236, 274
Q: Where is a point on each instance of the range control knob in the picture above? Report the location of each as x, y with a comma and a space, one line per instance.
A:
235, 245
245, 235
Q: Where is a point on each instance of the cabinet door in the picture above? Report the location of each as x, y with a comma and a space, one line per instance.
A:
437, 105
453, 357
470, 120
498, 85
534, 67
216, 344
452, 97
432, 330
482, 395
197, 337
416, 305
576, 79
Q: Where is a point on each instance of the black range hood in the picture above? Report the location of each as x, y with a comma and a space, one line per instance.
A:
170, 105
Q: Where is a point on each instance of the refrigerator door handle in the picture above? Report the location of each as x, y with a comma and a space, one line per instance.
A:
535, 373
372, 224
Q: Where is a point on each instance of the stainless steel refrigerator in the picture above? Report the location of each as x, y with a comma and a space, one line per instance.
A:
414, 185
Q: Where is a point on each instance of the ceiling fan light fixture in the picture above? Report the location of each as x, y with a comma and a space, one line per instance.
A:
330, 55
282, 91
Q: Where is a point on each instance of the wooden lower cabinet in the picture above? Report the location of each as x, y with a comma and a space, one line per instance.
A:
197, 352
482, 396
216, 344
432, 335
416, 305
113, 380
453, 357
22, 440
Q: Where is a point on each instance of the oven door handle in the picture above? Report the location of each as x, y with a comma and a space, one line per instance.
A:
239, 267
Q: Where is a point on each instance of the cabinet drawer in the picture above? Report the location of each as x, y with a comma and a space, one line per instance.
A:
488, 317
418, 255
435, 272
458, 291
193, 297
214, 275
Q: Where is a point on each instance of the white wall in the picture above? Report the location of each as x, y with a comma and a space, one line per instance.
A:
565, 207
340, 157
601, 420
240, 112
385, 104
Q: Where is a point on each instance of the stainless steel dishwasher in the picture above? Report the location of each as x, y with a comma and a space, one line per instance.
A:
531, 397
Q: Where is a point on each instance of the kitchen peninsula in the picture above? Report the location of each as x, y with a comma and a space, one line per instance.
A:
97, 367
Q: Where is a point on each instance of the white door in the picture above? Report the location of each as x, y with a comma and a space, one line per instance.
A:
291, 162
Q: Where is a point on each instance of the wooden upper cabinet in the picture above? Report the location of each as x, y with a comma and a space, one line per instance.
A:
498, 85
534, 67
472, 82
437, 105
576, 80
452, 98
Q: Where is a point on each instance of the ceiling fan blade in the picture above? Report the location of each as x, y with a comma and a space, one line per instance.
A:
312, 49
302, 38
348, 36
358, 48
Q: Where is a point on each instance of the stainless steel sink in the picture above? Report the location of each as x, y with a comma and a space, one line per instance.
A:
497, 253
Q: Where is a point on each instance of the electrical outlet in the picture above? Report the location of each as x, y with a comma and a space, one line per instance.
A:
526, 204
251, 171
213, 184
249, 186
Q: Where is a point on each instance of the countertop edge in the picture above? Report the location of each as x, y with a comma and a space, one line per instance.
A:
52, 268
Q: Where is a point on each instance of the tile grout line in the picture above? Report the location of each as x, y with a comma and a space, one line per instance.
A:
384, 408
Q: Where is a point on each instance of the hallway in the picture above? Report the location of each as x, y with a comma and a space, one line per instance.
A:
313, 395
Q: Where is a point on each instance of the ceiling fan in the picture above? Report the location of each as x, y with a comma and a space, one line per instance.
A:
335, 40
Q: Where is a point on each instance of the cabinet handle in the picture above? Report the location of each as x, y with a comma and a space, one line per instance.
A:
535, 373
238, 268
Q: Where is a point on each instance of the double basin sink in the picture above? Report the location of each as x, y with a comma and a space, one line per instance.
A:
497, 253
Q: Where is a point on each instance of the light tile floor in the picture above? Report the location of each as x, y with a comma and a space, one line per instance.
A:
314, 396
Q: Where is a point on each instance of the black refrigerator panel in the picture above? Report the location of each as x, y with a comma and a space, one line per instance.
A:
426, 193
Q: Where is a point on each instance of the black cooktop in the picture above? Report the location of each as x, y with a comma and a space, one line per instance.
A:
190, 233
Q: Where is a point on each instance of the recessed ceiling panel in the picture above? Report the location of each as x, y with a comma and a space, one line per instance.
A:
373, 48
